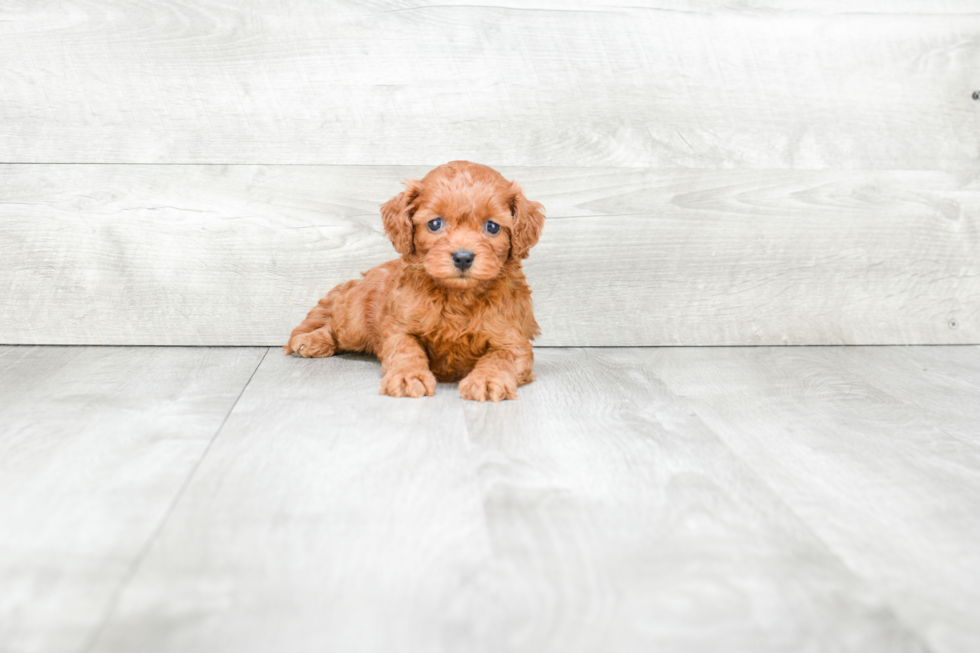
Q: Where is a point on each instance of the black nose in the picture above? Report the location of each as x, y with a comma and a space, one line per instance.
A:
463, 258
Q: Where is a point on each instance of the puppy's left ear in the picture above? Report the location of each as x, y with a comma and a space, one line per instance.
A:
396, 214
528, 222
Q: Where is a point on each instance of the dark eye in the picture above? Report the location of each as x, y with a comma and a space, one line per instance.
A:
435, 225
492, 228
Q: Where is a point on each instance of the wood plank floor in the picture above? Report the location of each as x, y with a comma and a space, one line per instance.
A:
681, 499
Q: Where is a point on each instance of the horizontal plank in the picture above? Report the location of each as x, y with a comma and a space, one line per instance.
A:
792, 84
236, 255
595, 513
95, 446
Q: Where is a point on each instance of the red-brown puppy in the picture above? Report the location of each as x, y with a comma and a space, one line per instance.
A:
455, 306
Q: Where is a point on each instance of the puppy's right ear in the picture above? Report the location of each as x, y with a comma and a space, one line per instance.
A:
396, 214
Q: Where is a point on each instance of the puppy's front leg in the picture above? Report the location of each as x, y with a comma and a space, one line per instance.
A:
498, 373
406, 368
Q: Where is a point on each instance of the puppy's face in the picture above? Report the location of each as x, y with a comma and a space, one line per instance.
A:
464, 221
463, 240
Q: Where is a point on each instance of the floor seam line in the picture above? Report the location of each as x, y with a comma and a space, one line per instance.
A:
145, 549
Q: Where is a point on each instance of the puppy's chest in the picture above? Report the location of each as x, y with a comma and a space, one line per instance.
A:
454, 342
450, 331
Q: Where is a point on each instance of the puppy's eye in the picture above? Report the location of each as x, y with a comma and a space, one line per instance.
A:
492, 228
435, 225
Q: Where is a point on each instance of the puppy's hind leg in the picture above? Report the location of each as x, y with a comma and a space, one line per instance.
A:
313, 338
318, 343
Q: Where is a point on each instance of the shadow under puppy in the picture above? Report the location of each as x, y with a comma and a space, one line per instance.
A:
455, 306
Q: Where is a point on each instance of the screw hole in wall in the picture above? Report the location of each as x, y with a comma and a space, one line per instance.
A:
953, 324
976, 95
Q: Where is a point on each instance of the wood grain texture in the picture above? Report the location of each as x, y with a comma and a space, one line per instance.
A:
607, 499
95, 445
877, 450
325, 517
795, 84
594, 513
236, 255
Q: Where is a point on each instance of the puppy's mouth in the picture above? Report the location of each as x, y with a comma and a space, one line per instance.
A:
459, 281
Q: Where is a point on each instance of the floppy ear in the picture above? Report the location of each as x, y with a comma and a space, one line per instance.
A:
396, 214
528, 222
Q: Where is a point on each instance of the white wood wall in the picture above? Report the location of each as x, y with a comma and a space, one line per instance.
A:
762, 172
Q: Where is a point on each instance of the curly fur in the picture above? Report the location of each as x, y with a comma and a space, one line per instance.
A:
425, 318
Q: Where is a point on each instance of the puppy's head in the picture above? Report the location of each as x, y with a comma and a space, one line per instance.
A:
464, 221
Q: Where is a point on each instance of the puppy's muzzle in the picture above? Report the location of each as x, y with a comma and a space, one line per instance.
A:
463, 258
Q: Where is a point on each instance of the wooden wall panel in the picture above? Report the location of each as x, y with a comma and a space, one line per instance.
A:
236, 255
780, 171
796, 84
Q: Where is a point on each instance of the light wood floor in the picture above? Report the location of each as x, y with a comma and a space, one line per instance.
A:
738, 499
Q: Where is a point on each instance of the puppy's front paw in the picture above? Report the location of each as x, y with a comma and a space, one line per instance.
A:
408, 383
494, 386
315, 344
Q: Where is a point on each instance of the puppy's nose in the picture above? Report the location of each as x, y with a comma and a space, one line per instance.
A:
463, 258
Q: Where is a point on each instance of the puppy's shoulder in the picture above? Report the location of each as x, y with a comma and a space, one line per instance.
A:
513, 302
513, 283
391, 268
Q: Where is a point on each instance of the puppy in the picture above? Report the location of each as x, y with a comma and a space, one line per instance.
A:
455, 306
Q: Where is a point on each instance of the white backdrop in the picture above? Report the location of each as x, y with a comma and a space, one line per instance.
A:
713, 172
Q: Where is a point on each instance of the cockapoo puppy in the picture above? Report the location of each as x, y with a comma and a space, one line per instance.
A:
455, 306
